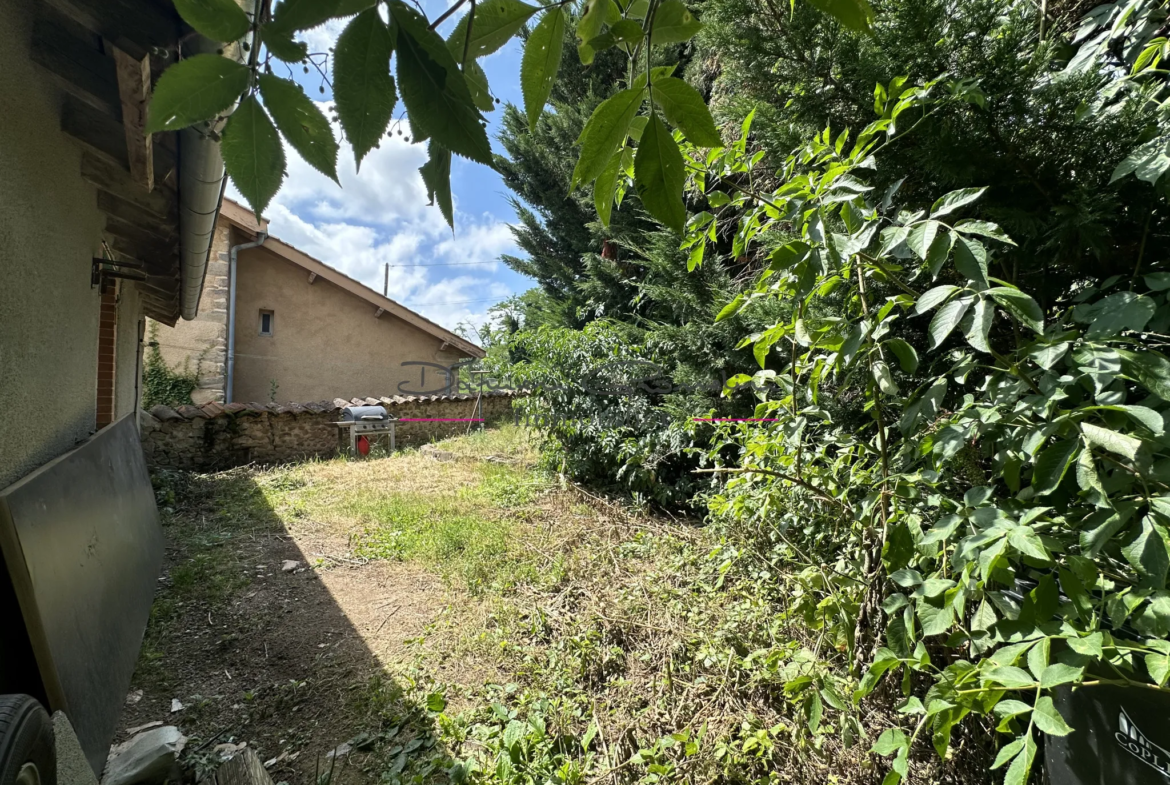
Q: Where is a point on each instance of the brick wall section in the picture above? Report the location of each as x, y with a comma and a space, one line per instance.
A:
219, 436
107, 355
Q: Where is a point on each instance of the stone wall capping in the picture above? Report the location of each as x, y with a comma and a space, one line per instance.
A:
216, 436
165, 414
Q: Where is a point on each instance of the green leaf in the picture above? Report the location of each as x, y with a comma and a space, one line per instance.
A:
1019, 305
1158, 666
885, 382
436, 175
1009, 751
1017, 773
907, 357
971, 260
1100, 527
291, 15
253, 154
198, 88
940, 249
541, 60
301, 122
731, 308
983, 228
282, 46
935, 621
1116, 313
673, 24
686, 110
898, 637
1027, 542
1143, 415
854, 14
1011, 677
659, 175
954, 200
589, 26
477, 83
814, 710
437, 99
219, 20
605, 132
934, 297
1115, 442
362, 86
436, 702
351, 7
1052, 465
605, 187
891, 740
947, 319
921, 237
1011, 708
1058, 673
495, 23
1146, 553
1150, 368
979, 330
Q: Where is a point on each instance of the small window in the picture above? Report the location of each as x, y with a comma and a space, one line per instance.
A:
266, 322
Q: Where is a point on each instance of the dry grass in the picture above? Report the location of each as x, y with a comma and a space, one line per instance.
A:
468, 614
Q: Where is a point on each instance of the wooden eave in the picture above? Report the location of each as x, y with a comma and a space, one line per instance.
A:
105, 56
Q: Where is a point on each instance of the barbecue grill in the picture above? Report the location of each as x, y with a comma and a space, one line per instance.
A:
366, 425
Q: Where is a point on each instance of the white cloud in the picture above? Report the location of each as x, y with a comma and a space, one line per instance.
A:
381, 216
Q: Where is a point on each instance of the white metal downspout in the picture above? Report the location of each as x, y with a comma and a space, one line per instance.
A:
201, 185
233, 257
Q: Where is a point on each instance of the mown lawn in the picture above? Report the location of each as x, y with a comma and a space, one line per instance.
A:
458, 614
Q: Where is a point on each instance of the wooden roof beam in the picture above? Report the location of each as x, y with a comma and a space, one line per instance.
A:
134, 91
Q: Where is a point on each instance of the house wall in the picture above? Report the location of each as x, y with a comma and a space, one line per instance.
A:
49, 230
326, 341
200, 345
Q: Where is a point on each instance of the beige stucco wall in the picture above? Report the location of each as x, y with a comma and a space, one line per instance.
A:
49, 231
326, 342
200, 345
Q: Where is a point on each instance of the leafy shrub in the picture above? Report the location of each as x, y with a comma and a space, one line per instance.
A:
995, 525
164, 385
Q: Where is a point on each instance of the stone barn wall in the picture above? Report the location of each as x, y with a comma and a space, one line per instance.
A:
219, 436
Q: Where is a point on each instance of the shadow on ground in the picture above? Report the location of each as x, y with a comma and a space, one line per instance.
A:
259, 651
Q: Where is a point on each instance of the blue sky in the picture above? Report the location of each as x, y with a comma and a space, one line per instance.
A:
381, 214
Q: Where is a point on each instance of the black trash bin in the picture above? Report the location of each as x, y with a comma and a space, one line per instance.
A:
1121, 736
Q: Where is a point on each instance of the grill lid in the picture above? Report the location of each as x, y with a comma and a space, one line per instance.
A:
364, 413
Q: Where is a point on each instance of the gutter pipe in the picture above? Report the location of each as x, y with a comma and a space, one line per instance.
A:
201, 185
233, 256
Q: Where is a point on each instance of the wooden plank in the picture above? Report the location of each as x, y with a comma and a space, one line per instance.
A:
162, 202
134, 90
103, 135
73, 55
244, 769
147, 223
134, 26
97, 131
161, 252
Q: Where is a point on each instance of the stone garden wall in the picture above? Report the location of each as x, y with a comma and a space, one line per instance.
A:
219, 436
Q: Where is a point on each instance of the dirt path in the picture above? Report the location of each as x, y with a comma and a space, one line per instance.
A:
277, 665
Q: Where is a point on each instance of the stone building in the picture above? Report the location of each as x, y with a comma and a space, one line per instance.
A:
300, 330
